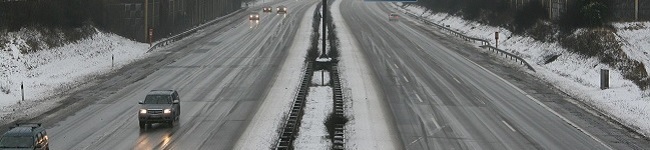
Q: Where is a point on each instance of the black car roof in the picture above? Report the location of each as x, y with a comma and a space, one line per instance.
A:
24, 131
161, 92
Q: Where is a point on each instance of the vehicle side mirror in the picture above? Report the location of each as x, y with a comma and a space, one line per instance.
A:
140, 102
176, 101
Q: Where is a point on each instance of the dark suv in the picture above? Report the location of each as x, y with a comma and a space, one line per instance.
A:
25, 136
160, 106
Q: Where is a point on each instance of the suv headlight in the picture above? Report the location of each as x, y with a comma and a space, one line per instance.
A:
167, 111
143, 111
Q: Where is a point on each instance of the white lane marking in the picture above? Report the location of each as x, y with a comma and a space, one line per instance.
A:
435, 122
415, 141
481, 101
407, 80
396, 66
456, 79
511, 128
418, 96
544, 106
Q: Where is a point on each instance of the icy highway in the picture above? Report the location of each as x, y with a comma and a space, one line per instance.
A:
442, 100
221, 74
439, 92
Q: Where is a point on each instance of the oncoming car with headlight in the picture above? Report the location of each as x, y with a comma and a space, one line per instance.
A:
254, 16
159, 106
282, 9
267, 9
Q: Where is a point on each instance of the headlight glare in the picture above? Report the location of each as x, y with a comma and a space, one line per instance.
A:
167, 111
143, 111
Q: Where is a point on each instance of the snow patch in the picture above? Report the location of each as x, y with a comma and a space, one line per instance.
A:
313, 133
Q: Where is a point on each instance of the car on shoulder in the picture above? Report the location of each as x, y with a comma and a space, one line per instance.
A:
160, 106
267, 9
25, 136
393, 17
254, 16
282, 9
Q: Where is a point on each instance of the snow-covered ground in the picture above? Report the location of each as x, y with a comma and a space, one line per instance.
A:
572, 73
313, 133
321, 77
45, 71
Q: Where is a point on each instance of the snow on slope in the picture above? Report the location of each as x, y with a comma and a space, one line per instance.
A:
572, 73
49, 72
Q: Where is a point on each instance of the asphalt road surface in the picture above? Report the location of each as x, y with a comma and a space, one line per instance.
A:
442, 100
222, 74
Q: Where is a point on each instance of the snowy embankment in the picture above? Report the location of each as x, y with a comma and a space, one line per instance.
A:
574, 74
48, 72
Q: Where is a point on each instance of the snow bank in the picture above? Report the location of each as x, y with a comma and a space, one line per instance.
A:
313, 133
50, 71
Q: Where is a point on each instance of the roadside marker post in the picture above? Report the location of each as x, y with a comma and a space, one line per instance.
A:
496, 38
604, 79
22, 90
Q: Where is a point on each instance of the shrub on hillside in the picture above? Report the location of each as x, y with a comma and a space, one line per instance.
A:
542, 31
585, 13
602, 43
530, 14
312, 52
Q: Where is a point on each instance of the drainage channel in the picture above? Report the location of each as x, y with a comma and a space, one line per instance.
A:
292, 124
338, 140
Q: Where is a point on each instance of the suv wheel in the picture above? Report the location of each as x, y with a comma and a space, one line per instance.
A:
142, 124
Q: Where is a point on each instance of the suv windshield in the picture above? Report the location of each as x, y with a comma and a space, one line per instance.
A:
158, 99
16, 142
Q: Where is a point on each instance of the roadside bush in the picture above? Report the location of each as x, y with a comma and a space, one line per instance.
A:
602, 43
585, 13
332, 121
332, 38
542, 31
312, 52
593, 43
530, 14
4, 89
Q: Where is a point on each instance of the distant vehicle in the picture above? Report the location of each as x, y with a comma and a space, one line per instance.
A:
282, 9
25, 136
254, 16
160, 106
267, 9
393, 17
